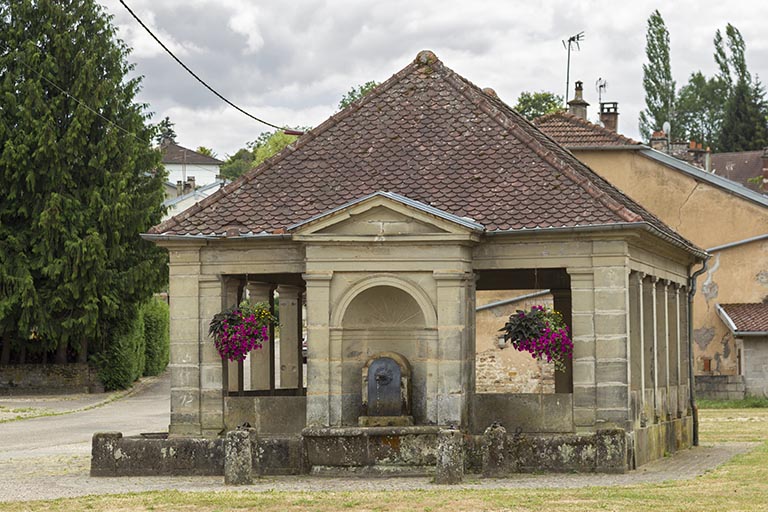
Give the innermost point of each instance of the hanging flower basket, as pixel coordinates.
(542, 333)
(241, 329)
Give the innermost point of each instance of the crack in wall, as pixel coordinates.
(680, 210)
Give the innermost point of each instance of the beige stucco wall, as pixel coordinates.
(709, 217)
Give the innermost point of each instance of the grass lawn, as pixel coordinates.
(741, 484)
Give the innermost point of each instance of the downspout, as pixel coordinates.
(691, 385)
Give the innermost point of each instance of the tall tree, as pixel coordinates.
(266, 145)
(700, 107)
(206, 151)
(536, 104)
(165, 131)
(79, 185)
(356, 93)
(744, 123)
(657, 78)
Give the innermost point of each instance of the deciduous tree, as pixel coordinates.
(536, 104)
(657, 78)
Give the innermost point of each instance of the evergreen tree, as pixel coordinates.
(744, 124)
(657, 78)
(165, 131)
(78, 180)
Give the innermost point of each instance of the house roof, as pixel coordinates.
(739, 166)
(175, 154)
(431, 136)
(745, 319)
(574, 132)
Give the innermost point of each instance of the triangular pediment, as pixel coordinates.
(385, 215)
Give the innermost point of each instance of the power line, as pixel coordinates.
(214, 91)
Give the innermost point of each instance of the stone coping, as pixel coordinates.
(352, 431)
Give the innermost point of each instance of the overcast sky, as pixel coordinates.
(289, 62)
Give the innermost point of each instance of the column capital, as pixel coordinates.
(326, 275)
(452, 275)
(288, 292)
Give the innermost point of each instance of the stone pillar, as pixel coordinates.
(673, 349)
(562, 302)
(612, 345)
(289, 336)
(649, 349)
(238, 458)
(229, 298)
(453, 361)
(494, 451)
(184, 366)
(318, 348)
(636, 334)
(211, 374)
(662, 345)
(450, 457)
(259, 359)
(583, 319)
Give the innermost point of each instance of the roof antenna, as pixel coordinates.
(601, 86)
(568, 44)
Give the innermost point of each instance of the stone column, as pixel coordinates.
(211, 374)
(452, 331)
(662, 349)
(562, 302)
(450, 457)
(289, 336)
(655, 339)
(318, 348)
(673, 349)
(184, 272)
(583, 319)
(612, 346)
(649, 349)
(230, 298)
(259, 359)
(636, 334)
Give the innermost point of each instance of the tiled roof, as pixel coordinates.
(574, 132)
(739, 167)
(747, 317)
(175, 154)
(432, 136)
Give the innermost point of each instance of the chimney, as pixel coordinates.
(189, 186)
(764, 158)
(577, 106)
(659, 141)
(179, 188)
(609, 115)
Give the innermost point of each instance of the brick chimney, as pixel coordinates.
(609, 115)
(179, 188)
(577, 106)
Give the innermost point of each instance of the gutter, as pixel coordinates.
(738, 243)
(732, 326)
(691, 383)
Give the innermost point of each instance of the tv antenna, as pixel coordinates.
(569, 44)
(601, 86)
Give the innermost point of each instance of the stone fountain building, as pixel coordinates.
(385, 221)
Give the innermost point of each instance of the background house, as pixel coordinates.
(183, 163)
(727, 219)
(750, 168)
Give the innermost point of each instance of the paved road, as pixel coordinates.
(145, 410)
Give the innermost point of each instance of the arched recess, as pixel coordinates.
(384, 314)
(415, 292)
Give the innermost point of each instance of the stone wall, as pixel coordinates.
(23, 379)
(115, 455)
(755, 359)
(505, 370)
(720, 387)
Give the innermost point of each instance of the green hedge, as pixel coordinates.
(123, 360)
(156, 335)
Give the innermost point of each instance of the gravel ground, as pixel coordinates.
(49, 457)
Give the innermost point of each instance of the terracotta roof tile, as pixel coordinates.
(748, 317)
(572, 132)
(434, 137)
(739, 167)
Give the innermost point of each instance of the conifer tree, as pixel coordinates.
(657, 78)
(78, 180)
